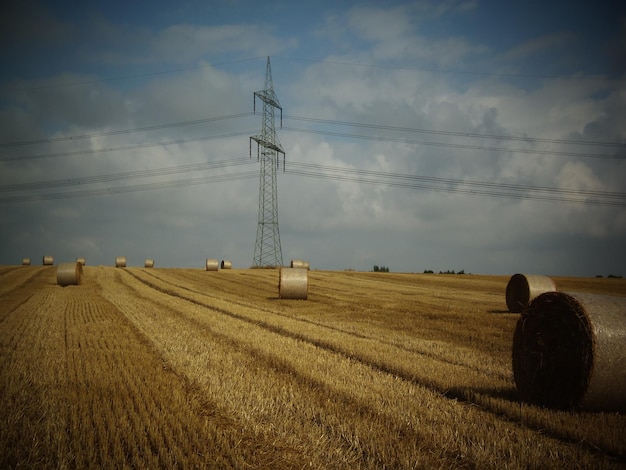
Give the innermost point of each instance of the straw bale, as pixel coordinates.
(297, 263)
(226, 264)
(293, 283)
(25, 261)
(81, 260)
(69, 274)
(120, 261)
(568, 352)
(149, 263)
(48, 260)
(212, 264)
(523, 288)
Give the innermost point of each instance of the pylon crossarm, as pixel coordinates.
(269, 98)
(267, 144)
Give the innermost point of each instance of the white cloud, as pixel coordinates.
(549, 42)
(335, 224)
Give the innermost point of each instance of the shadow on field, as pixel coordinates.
(472, 395)
(500, 312)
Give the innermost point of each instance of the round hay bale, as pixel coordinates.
(120, 261)
(211, 264)
(149, 263)
(293, 283)
(297, 263)
(306, 265)
(226, 264)
(568, 352)
(81, 261)
(48, 260)
(25, 261)
(69, 274)
(523, 288)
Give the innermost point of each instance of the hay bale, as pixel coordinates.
(211, 264)
(81, 260)
(120, 261)
(523, 288)
(226, 264)
(297, 263)
(293, 283)
(25, 261)
(568, 352)
(69, 274)
(149, 263)
(306, 265)
(48, 260)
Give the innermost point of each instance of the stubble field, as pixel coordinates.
(182, 368)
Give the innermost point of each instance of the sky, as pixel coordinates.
(482, 136)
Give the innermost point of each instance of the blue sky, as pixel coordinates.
(475, 135)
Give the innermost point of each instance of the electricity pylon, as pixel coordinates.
(267, 250)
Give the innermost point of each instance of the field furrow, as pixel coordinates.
(463, 384)
(163, 368)
(258, 338)
(438, 350)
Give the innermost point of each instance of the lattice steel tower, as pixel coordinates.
(267, 250)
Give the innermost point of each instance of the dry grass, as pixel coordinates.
(173, 368)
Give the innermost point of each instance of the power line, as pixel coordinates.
(321, 61)
(456, 133)
(128, 189)
(449, 181)
(323, 121)
(601, 198)
(361, 176)
(473, 192)
(122, 131)
(127, 77)
(122, 148)
(455, 72)
(125, 175)
(458, 146)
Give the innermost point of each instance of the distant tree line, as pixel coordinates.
(611, 276)
(430, 271)
(381, 269)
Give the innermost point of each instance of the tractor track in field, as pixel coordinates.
(354, 334)
(180, 368)
(9, 285)
(278, 365)
(7, 270)
(19, 293)
(472, 397)
(281, 366)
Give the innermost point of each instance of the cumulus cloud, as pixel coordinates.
(381, 72)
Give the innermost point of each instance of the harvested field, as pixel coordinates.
(161, 368)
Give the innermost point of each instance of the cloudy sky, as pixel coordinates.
(479, 135)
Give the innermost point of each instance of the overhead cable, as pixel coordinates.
(59, 183)
(456, 133)
(122, 148)
(458, 146)
(128, 189)
(603, 198)
(456, 72)
(127, 77)
(122, 131)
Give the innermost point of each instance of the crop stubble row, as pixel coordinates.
(264, 381)
(82, 388)
(298, 334)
